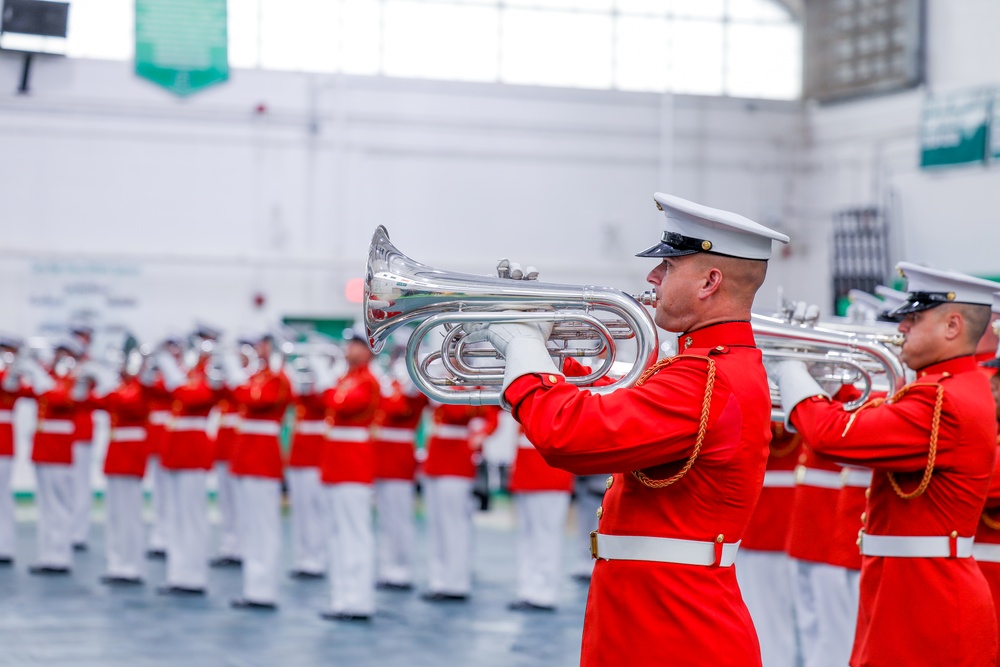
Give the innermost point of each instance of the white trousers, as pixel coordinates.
(123, 528)
(396, 532)
(259, 500)
(541, 523)
(310, 525)
(587, 503)
(54, 498)
(825, 612)
(156, 473)
(765, 579)
(83, 493)
(187, 532)
(229, 541)
(352, 549)
(449, 506)
(7, 530)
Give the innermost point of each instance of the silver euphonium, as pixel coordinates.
(847, 357)
(400, 291)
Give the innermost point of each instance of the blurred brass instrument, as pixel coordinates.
(401, 291)
(857, 355)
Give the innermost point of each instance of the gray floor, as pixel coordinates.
(76, 620)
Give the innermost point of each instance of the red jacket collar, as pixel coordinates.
(964, 364)
(723, 333)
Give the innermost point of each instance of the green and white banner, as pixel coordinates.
(955, 127)
(181, 45)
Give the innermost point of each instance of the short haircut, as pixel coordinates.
(977, 319)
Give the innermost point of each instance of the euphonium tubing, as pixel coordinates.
(399, 290)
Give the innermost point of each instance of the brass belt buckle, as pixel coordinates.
(593, 544)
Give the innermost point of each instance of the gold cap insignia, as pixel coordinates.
(658, 207)
(706, 245)
(951, 296)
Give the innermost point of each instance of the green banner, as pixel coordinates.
(995, 128)
(181, 44)
(955, 128)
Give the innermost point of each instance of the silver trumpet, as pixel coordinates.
(401, 291)
(843, 356)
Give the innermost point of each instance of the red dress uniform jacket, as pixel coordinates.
(54, 433)
(530, 472)
(641, 612)
(262, 401)
(450, 450)
(988, 539)
(310, 432)
(771, 519)
(229, 421)
(811, 533)
(7, 400)
(351, 404)
(919, 611)
(160, 413)
(187, 445)
(129, 412)
(83, 421)
(395, 433)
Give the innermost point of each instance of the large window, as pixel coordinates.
(750, 48)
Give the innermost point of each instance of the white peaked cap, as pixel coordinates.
(892, 298)
(996, 302)
(690, 228)
(927, 288)
(863, 299)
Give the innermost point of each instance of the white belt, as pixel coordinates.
(60, 426)
(348, 433)
(188, 424)
(660, 550)
(918, 546)
(779, 479)
(159, 417)
(451, 431)
(229, 420)
(389, 434)
(524, 443)
(260, 427)
(311, 427)
(824, 479)
(128, 434)
(987, 553)
(856, 477)
(6, 417)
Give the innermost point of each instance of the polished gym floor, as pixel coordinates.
(77, 621)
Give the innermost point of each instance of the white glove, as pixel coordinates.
(232, 370)
(522, 346)
(795, 384)
(804, 313)
(39, 378)
(323, 369)
(173, 376)
(12, 380)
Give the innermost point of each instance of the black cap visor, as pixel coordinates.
(673, 244)
(917, 302)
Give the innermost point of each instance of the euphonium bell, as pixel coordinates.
(400, 291)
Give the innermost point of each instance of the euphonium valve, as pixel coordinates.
(401, 291)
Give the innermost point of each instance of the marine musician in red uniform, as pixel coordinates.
(687, 447)
(932, 446)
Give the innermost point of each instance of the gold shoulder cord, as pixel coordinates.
(702, 426)
(989, 521)
(932, 452)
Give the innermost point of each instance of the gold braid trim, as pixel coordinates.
(989, 521)
(702, 426)
(932, 452)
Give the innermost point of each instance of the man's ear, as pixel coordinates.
(954, 325)
(711, 284)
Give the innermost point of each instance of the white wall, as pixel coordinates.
(186, 208)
